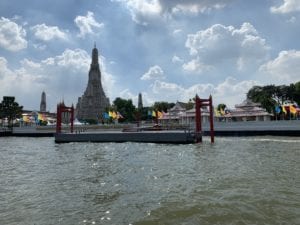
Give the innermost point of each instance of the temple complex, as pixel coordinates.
(93, 102)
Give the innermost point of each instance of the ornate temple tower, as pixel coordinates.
(140, 102)
(93, 102)
(43, 102)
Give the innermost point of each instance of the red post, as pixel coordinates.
(198, 120)
(211, 120)
(60, 109)
(58, 118)
(200, 103)
(72, 119)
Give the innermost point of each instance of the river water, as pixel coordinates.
(234, 181)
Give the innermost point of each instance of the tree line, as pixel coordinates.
(270, 96)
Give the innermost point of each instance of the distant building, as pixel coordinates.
(43, 102)
(140, 102)
(93, 102)
(180, 115)
(248, 111)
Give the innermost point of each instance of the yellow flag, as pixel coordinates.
(114, 115)
(283, 109)
(293, 109)
(159, 115)
(41, 117)
(153, 114)
(217, 113)
(26, 118)
(109, 113)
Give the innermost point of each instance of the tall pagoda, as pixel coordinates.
(93, 102)
(43, 102)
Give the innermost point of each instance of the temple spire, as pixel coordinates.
(95, 55)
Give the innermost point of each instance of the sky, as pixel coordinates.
(168, 50)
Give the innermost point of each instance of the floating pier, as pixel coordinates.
(171, 137)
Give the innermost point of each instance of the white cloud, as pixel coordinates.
(177, 32)
(77, 59)
(39, 46)
(230, 91)
(86, 24)
(239, 48)
(168, 89)
(283, 69)
(287, 7)
(4, 71)
(21, 83)
(12, 36)
(192, 6)
(26, 63)
(47, 33)
(143, 11)
(154, 73)
(195, 65)
(176, 59)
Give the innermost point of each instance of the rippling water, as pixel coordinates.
(234, 181)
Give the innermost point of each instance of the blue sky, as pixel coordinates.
(168, 50)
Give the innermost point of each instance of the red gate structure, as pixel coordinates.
(61, 108)
(200, 103)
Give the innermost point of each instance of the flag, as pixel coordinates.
(26, 118)
(222, 112)
(119, 115)
(277, 109)
(217, 113)
(293, 109)
(153, 114)
(109, 113)
(283, 109)
(105, 115)
(41, 117)
(159, 115)
(114, 115)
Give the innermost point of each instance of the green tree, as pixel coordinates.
(10, 109)
(264, 96)
(221, 107)
(162, 106)
(126, 108)
(190, 104)
(297, 93)
(270, 95)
